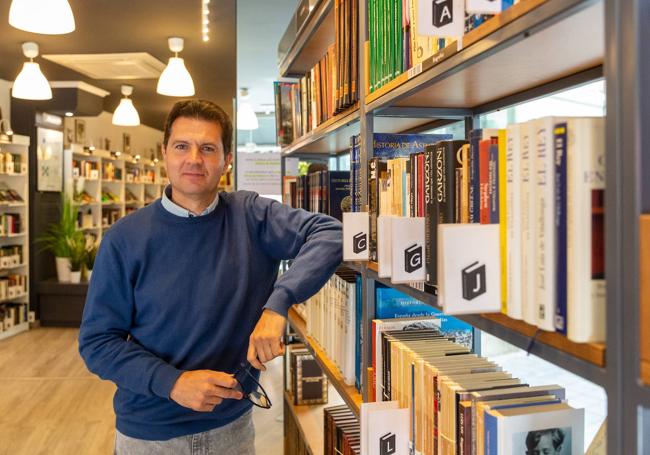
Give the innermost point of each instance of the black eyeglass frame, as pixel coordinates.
(244, 368)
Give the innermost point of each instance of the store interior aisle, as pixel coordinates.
(50, 404)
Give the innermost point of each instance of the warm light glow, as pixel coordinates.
(49, 17)
(125, 114)
(31, 84)
(246, 117)
(175, 80)
(69, 114)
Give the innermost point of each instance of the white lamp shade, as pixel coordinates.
(175, 80)
(49, 17)
(246, 117)
(31, 84)
(125, 114)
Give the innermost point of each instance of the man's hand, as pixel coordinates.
(265, 342)
(203, 390)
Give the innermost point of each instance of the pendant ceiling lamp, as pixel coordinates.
(31, 84)
(175, 80)
(125, 114)
(246, 117)
(49, 17)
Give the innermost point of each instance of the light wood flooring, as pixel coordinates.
(50, 404)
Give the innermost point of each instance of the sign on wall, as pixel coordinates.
(49, 154)
(259, 172)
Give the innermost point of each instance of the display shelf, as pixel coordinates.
(13, 299)
(348, 393)
(584, 359)
(5, 174)
(14, 267)
(13, 236)
(311, 41)
(15, 330)
(507, 55)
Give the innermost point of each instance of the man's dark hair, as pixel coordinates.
(203, 110)
(533, 438)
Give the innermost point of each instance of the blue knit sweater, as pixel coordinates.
(171, 294)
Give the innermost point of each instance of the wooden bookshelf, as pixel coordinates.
(584, 359)
(348, 393)
(507, 55)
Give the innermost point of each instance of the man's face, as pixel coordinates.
(194, 157)
(545, 446)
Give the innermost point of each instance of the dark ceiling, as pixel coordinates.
(110, 26)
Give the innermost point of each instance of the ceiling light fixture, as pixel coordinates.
(205, 20)
(126, 114)
(31, 84)
(175, 80)
(246, 117)
(49, 17)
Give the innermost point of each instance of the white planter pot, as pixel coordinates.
(75, 277)
(63, 269)
(88, 275)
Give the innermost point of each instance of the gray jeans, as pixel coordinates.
(236, 438)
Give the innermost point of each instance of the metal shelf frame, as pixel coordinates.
(626, 68)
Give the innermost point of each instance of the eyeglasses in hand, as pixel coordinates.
(257, 395)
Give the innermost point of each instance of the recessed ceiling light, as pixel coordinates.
(69, 114)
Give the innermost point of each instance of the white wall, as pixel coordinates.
(144, 139)
(5, 100)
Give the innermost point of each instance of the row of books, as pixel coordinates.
(11, 256)
(85, 169)
(111, 172)
(342, 432)
(85, 219)
(333, 319)
(321, 191)
(461, 403)
(10, 224)
(12, 286)
(541, 181)
(329, 88)
(397, 42)
(12, 314)
(110, 216)
(12, 163)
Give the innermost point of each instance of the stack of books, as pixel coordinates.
(10, 224)
(342, 431)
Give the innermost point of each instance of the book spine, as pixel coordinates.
(431, 220)
(503, 218)
(412, 184)
(514, 223)
(420, 195)
(493, 185)
(529, 312)
(560, 176)
(484, 176)
(445, 184)
(491, 436)
(545, 222)
(373, 205)
(474, 177)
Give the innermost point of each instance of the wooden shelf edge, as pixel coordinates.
(323, 130)
(349, 393)
(15, 330)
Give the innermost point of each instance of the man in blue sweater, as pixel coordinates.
(186, 290)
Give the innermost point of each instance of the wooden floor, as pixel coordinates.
(50, 404)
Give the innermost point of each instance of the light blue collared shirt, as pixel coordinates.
(177, 210)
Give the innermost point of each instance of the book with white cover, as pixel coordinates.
(513, 223)
(408, 250)
(555, 429)
(544, 201)
(586, 293)
(384, 245)
(527, 163)
(469, 268)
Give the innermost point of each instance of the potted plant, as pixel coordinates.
(77, 257)
(91, 253)
(57, 238)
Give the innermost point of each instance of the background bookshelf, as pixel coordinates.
(106, 187)
(534, 49)
(14, 240)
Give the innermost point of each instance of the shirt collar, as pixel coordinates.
(177, 210)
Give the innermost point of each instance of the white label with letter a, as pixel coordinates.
(441, 18)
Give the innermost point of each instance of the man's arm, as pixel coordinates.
(108, 352)
(314, 242)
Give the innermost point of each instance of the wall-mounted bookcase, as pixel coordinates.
(106, 187)
(14, 239)
(536, 48)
